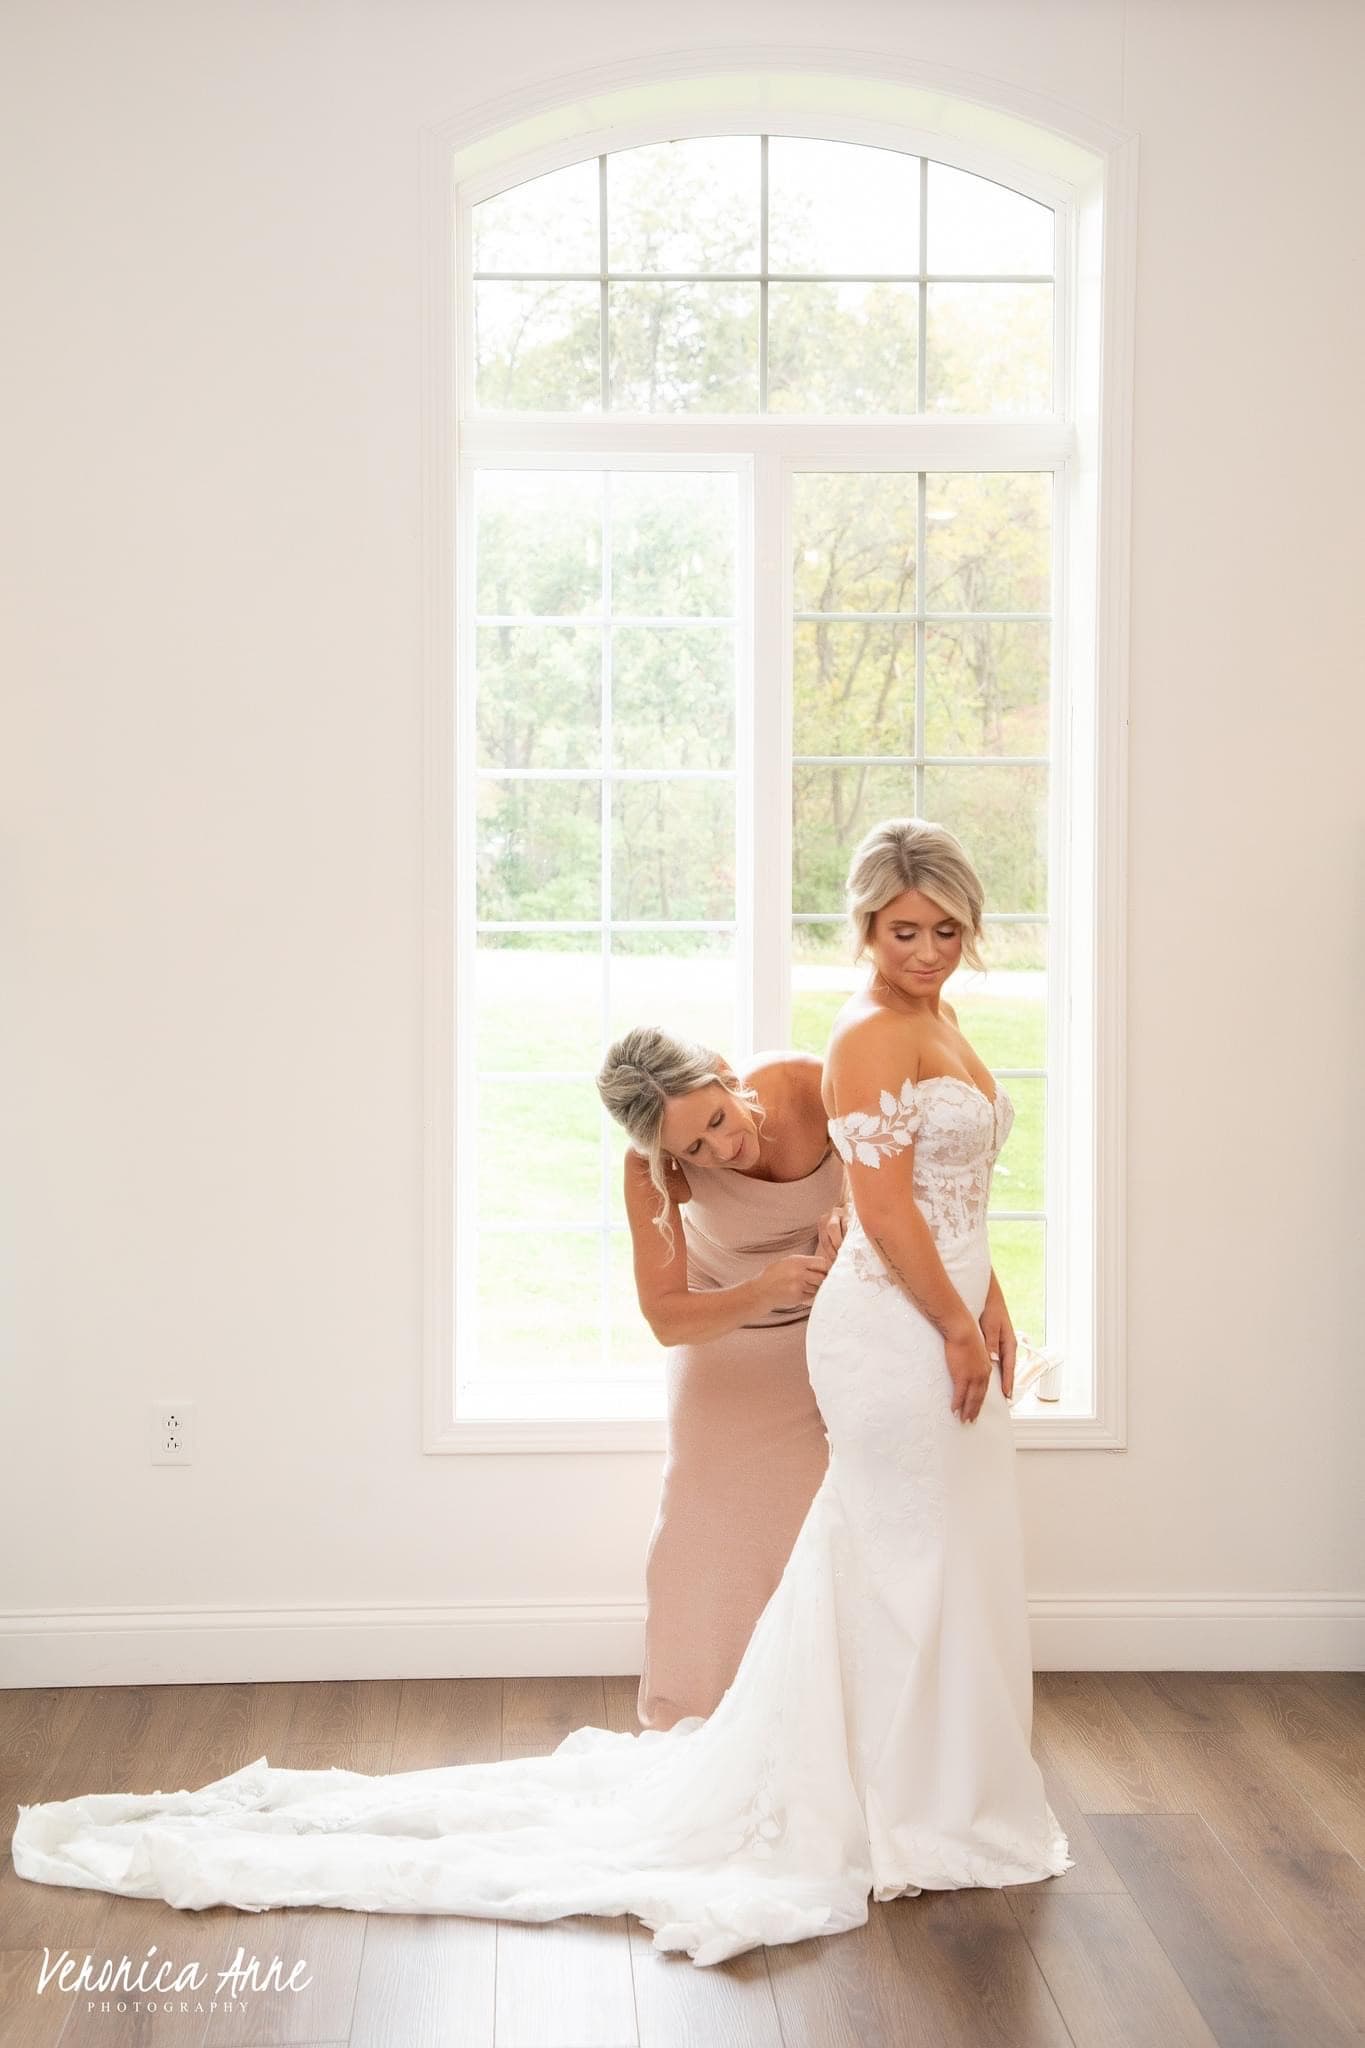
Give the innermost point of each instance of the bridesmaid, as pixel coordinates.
(745, 1170)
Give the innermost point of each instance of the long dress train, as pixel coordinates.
(875, 1737)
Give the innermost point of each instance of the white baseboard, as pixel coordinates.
(220, 1646)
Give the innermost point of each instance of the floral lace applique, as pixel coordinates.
(863, 1136)
(957, 1132)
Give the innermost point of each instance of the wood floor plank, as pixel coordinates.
(537, 1713)
(345, 1710)
(566, 1983)
(329, 1941)
(1344, 1690)
(974, 1977)
(448, 1721)
(331, 1945)
(429, 1978)
(371, 1757)
(115, 1746)
(1292, 1858)
(1243, 1971)
(1217, 1820)
(1170, 1699)
(728, 2005)
(1092, 1870)
(47, 1915)
(150, 1933)
(1113, 1982)
(225, 1727)
(36, 1724)
(1095, 1746)
(426, 1981)
(29, 2017)
(847, 1992)
(1314, 1745)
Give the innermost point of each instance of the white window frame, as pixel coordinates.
(1086, 448)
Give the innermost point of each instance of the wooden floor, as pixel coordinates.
(1218, 1895)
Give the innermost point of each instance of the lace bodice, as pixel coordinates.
(957, 1133)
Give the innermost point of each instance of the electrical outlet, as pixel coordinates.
(172, 1432)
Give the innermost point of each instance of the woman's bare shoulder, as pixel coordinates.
(868, 1025)
(780, 1079)
(790, 1067)
(873, 1043)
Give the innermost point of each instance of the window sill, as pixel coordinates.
(1039, 1425)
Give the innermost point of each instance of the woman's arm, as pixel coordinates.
(678, 1314)
(865, 1063)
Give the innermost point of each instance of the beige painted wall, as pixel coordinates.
(211, 783)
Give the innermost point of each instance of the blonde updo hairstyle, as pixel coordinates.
(638, 1077)
(912, 853)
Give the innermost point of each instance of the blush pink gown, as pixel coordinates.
(747, 1447)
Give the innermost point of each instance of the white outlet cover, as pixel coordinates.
(172, 1432)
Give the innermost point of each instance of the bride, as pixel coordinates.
(875, 1737)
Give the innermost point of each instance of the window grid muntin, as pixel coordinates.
(604, 623)
(507, 433)
(921, 278)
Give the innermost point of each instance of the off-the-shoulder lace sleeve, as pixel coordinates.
(865, 1136)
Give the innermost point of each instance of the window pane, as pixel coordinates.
(824, 976)
(547, 224)
(539, 1153)
(539, 1001)
(673, 849)
(833, 807)
(683, 347)
(539, 1305)
(854, 687)
(1017, 1254)
(634, 1347)
(986, 688)
(539, 541)
(537, 696)
(684, 982)
(685, 206)
(673, 540)
(979, 228)
(841, 207)
(1018, 1182)
(673, 696)
(539, 848)
(989, 348)
(988, 542)
(854, 541)
(1004, 1011)
(843, 348)
(537, 347)
(1000, 816)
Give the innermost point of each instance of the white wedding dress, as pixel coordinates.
(875, 1737)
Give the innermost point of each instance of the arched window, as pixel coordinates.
(765, 529)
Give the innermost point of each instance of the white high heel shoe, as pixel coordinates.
(1035, 1371)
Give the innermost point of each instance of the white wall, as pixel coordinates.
(211, 790)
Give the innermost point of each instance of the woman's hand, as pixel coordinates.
(970, 1367)
(998, 1331)
(832, 1229)
(791, 1282)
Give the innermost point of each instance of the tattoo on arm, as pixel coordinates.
(892, 1267)
(888, 1259)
